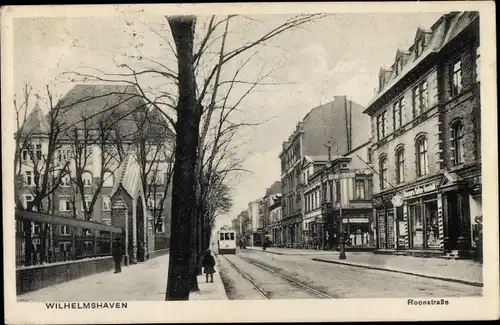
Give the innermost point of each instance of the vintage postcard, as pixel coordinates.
(249, 162)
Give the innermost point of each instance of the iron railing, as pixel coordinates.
(44, 238)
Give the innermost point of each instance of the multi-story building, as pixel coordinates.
(90, 118)
(254, 217)
(346, 186)
(274, 224)
(312, 222)
(268, 200)
(340, 125)
(426, 140)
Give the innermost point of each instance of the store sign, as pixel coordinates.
(355, 220)
(420, 190)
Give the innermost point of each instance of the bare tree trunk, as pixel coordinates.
(187, 130)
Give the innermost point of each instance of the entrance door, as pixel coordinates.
(417, 225)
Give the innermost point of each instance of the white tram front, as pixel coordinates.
(226, 241)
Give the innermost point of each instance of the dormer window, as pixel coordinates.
(381, 83)
(399, 65)
(419, 46)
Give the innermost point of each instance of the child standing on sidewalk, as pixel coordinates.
(208, 265)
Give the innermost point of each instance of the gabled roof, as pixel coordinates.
(442, 34)
(129, 176)
(36, 122)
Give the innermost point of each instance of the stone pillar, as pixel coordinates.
(119, 218)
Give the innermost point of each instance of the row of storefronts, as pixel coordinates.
(440, 214)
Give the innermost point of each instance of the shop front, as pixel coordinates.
(422, 211)
(357, 226)
(292, 231)
(384, 220)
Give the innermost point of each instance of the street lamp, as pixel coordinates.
(341, 239)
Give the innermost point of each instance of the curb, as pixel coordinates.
(471, 283)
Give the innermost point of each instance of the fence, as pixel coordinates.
(44, 238)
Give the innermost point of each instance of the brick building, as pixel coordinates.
(426, 140)
(94, 104)
(340, 122)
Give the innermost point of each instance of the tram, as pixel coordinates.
(226, 241)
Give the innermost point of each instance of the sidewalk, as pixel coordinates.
(290, 251)
(139, 282)
(462, 271)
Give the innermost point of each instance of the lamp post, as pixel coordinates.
(341, 239)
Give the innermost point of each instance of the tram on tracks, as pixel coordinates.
(226, 241)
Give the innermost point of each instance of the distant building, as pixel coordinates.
(254, 217)
(267, 201)
(426, 140)
(333, 128)
(274, 225)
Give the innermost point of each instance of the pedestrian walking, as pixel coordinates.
(208, 265)
(118, 255)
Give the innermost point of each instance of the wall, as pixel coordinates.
(37, 277)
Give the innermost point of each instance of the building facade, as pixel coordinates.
(425, 131)
(347, 199)
(274, 225)
(338, 125)
(254, 217)
(79, 148)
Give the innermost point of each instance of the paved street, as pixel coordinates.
(140, 282)
(338, 281)
(462, 270)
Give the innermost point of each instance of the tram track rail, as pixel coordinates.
(299, 284)
(247, 277)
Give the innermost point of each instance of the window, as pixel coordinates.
(477, 64)
(381, 125)
(65, 181)
(421, 148)
(337, 191)
(38, 151)
(360, 189)
(420, 99)
(64, 204)
(64, 231)
(106, 203)
(108, 180)
(419, 46)
(457, 136)
(232, 236)
(477, 131)
(383, 172)
(370, 155)
(158, 201)
(456, 78)
(226, 236)
(397, 114)
(27, 199)
(87, 179)
(28, 178)
(25, 155)
(400, 165)
(88, 200)
(399, 65)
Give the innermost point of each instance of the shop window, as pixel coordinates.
(421, 149)
(457, 135)
(383, 172)
(432, 239)
(400, 165)
(456, 77)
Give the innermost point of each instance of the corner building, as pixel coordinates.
(425, 128)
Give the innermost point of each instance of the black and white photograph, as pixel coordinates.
(246, 157)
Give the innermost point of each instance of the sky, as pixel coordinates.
(337, 55)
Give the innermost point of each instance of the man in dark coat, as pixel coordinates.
(118, 255)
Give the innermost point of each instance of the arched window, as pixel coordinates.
(108, 180)
(87, 179)
(383, 172)
(421, 150)
(457, 136)
(400, 165)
